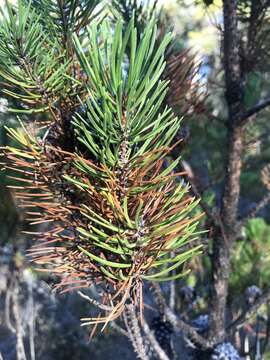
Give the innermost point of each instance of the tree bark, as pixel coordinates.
(224, 238)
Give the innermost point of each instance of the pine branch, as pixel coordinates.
(185, 95)
(62, 18)
(142, 11)
(30, 64)
(114, 211)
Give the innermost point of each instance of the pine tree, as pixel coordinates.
(92, 152)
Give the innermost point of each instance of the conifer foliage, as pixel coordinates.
(93, 165)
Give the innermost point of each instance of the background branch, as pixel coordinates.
(95, 302)
(253, 111)
(208, 211)
(242, 319)
(178, 324)
(153, 342)
(134, 332)
(187, 330)
(119, 328)
(261, 204)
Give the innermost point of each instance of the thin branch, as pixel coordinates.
(178, 324)
(95, 302)
(187, 330)
(159, 299)
(213, 216)
(261, 139)
(242, 319)
(119, 329)
(261, 105)
(31, 322)
(261, 204)
(267, 336)
(208, 211)
(134, 332)
(21, 355)
(153, 341)
(172, 294)
(7, 309)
